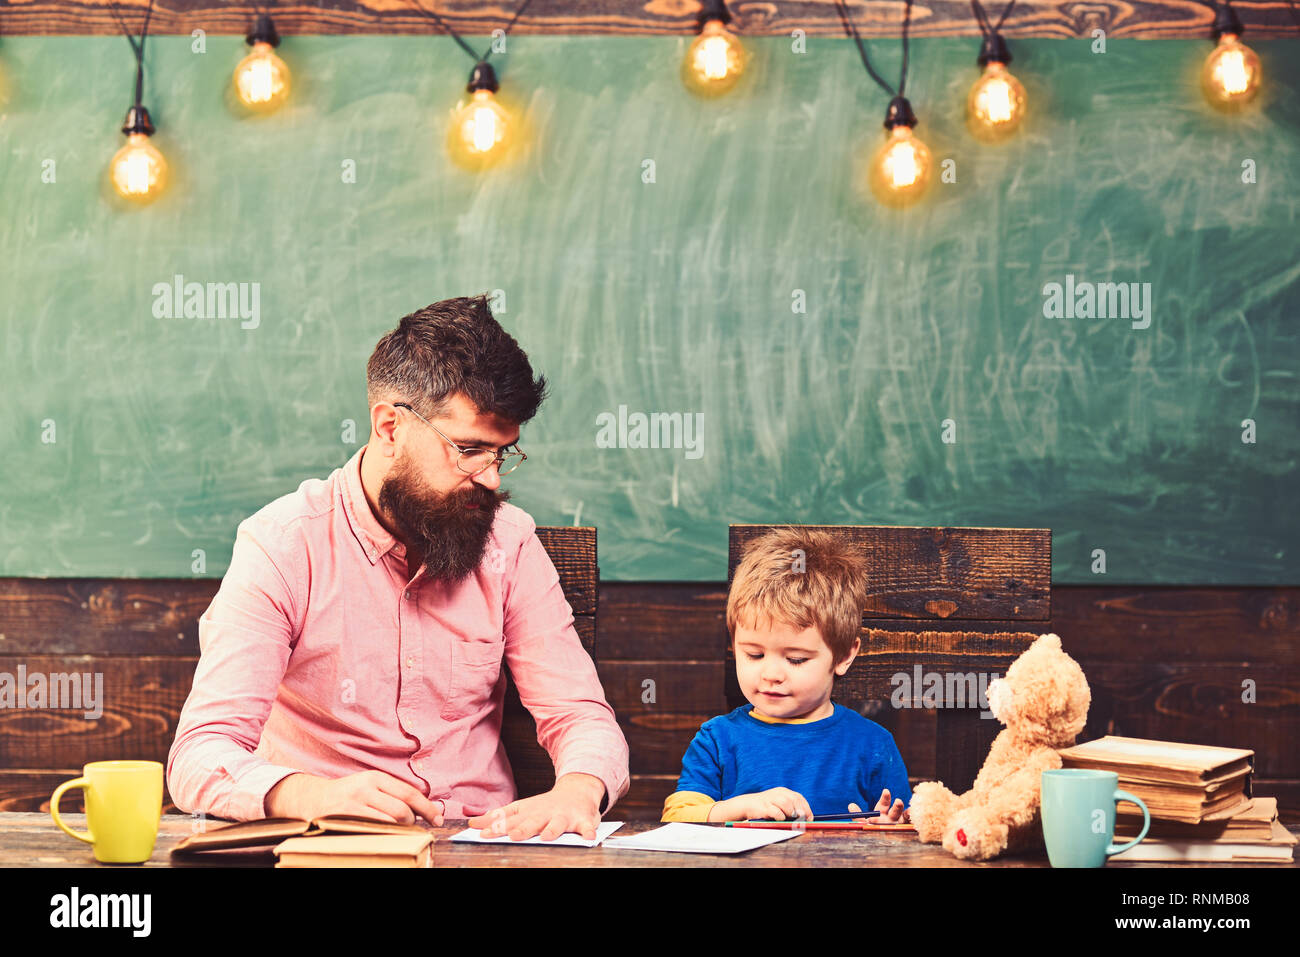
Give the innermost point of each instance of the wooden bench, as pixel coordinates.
(956, 602)
(142, 635)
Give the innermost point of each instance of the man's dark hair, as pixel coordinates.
(454, 346)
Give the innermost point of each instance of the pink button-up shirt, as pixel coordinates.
(321, 653)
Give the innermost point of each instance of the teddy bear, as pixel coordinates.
(1043, 701)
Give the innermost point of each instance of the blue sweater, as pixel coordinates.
(832, 761)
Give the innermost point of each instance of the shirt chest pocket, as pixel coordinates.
(475, 670)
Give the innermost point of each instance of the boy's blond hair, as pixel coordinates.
(801, 577)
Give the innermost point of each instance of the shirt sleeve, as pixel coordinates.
(245, 638)
(557, 679)
(691, 807)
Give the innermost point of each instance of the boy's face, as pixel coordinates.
(787, 672)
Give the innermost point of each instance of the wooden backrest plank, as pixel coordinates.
(1002, 574)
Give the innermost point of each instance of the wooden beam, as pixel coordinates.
(160, 616)
(1184, 19)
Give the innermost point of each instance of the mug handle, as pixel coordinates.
(54, 809)
(1146, 822)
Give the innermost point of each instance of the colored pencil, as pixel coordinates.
(803, 825)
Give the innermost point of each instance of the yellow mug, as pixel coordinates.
(123, 807)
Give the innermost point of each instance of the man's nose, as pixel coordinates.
(489, 478)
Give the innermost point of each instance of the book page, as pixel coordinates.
(604, 829)
(702, 839)
(1174, 752)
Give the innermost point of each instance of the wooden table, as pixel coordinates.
(30, 839)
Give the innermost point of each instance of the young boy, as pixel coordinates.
(794, 614)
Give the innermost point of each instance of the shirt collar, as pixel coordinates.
(376, 541)
(771, 720)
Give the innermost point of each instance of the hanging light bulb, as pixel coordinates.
(1231, 74)
(900, 172)
(480, 126)
(997, 101)
(715, 59)
(262, 78)
(138, 171)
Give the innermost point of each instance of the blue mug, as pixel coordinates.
(1079, 816)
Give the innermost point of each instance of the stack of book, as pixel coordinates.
(1252, 835)
(333, 841)
(1199, 798)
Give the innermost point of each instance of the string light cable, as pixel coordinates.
(479, 134)
(901, 170)
(997, 101)
(138, 171)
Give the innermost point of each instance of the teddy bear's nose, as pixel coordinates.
(961, 837)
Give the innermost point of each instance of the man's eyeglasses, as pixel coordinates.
(474, 461)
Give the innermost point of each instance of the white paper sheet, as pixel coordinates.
(701, 839)
(604, 829)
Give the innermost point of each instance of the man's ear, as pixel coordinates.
(383, 423)
(847, 663)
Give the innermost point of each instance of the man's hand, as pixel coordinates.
(889, 814)
(572, 805)
(372, 794)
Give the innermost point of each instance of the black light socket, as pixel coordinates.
(263, 32)
(1227, 21)
(713, 10)
(900, 113)
(483, 77)
(137, 121)
(994, 50)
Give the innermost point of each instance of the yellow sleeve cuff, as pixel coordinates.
(689, 806)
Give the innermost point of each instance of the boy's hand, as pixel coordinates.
(779, 804)
(889, 813)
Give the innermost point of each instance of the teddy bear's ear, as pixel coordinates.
(1049, 641)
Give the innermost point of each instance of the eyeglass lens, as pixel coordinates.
(476, 460)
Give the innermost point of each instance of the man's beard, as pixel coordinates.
(440, 528)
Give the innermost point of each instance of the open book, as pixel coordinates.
(270, 832)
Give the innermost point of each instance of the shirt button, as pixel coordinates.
(408, 594)
(409, 661)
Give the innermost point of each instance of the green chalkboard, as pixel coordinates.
(131, 440)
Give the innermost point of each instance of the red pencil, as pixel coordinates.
(804, 825)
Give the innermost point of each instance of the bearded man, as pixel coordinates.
(351, 660)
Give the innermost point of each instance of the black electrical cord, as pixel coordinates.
(983, 17)
(457, 37)
(852, 31)
(994, 48)
(136, 48)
